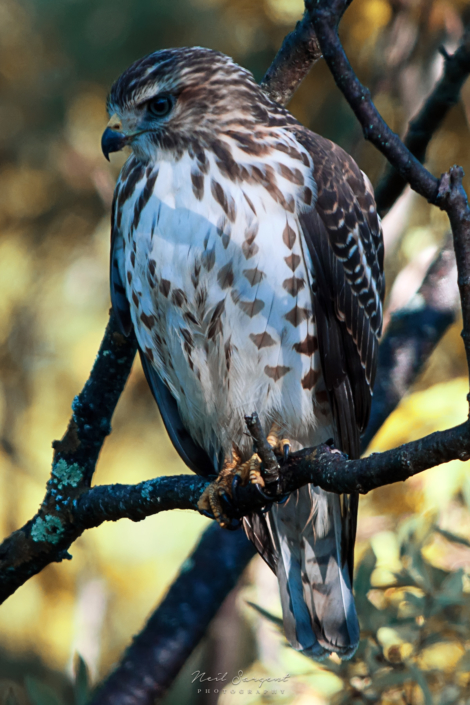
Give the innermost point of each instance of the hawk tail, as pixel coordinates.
(308, 554)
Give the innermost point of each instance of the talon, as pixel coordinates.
(235, 483)
(283, 499)
(263, 494)
(205, 513)
(227, 500)
(234, 524)
(285, 445)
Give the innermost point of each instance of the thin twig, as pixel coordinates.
(424, 125)
(264, 450)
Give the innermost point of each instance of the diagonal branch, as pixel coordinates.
(70, 506)
(325, 15)
(411, 336)
(49, 534)
(156, 655)
(299, 52)
(421, 129)
(447, 192)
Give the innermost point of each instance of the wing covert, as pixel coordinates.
(344, 237)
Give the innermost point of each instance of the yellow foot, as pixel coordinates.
(280, 447)
(219, 492)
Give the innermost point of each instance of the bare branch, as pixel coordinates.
(444, 96)
(411, 336)
(447, 193)
(299, 52)
(157, 654)
(325, 15)
(48, 535)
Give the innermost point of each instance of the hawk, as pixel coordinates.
(247, 256)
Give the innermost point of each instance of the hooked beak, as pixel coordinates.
(113, 139)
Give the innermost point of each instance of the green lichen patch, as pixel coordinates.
(66, 475)
(48, 529)
(146, 491)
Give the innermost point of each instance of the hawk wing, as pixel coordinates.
(343, 234)
(344, 237)
(191, 453)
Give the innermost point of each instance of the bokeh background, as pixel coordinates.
(58, 59)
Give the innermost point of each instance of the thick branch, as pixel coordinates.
(156, 655)
(69, 507)
(322, 466)
(299, 52)
(49, 534)
(423, 126)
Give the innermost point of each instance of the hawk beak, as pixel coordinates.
(113, 139)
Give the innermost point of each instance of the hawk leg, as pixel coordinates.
(281, 447)
(219, 495)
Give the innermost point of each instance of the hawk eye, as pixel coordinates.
(161, 106)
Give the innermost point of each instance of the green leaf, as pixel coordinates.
(267, 615)
(81, 686)
(40, 694)
(452, 537)
(10, 698)
(420, 680)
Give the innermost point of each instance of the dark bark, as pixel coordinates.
(299, 52)
(412, 335)
(325, 15)
(425, 124)
(156, 655)
(447, 192)
(47, 537)
(70, 506)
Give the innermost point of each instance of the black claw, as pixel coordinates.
(283, 499)
(227, 501)
(270, 499)
(286, 451)
(263, 494)
(234, 524)
(235, 483)
(207, 514)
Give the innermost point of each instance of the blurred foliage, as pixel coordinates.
(57, 61)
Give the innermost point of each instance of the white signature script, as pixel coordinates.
(236, 680)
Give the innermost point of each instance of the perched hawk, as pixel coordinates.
(247, 256)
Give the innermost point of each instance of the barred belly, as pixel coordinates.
(219, 282)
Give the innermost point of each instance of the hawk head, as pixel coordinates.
(171, 96)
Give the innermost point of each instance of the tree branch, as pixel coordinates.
(447, 192)
(47, 537)
(70, 506)
(299, 52)
(444, 96)
(325, 16)
(411, 336)
(156, 655)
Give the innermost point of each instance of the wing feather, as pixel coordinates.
(343, 234)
